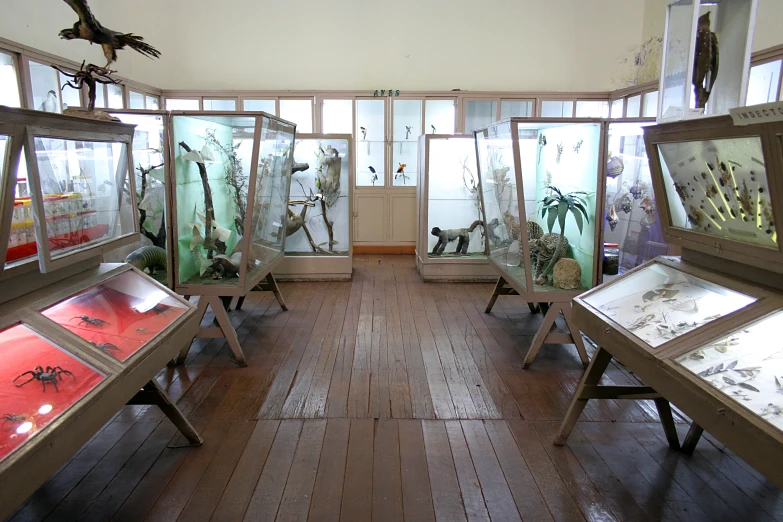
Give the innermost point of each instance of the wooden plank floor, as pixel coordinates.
(390, 399)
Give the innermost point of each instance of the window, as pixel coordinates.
(181, 104)
(370, 150)
(650, 109)
(115, 100)
(153, 102)
(9, 82)
(440, 117)
(299, 112)
(267, 106)
(100, 98)
(405, 141)
(337, 116)
(136, 100)
(516, 109)
(632, 106)
(763, 83)
(479, 113)
(219, 104)
(557, 109)
(592, 109)
(616, 109)
(46, 90)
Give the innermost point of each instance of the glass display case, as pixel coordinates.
(318, 241)
(370, 145)
(545, 174)
(11, 142)
(232, 176)
(70, 208)
(715, 187)
(406, 128)
(630, 212)
(706, 57)
(450, 239)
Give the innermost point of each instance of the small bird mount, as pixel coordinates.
(90, 75)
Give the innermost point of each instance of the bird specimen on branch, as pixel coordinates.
(88, 28)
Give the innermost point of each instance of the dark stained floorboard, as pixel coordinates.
(390, 398)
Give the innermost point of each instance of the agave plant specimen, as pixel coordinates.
(555, 207)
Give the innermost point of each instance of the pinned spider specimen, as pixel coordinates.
(87, 320)
(106, 347)
(13, 419)
(49, 375)
(160, 309)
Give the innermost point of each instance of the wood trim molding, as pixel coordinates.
(359, 249)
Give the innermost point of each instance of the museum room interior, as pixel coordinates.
(274, 262)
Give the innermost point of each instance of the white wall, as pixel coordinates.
(559, 45)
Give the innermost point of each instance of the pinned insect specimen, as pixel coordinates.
(732, 382)
(106, 347)
(739, 394)
(49, 375)
(697, 355)
(641, 322)
(578, 146)
(401, 172)
(663, 291)
(541, 145)
(771, 409)
(13, 419)
(87, 320)
(641, 309)
(690, 306)
(778, 385)
(680, 191)
(723, 346)
(559, 152)
(712, 370)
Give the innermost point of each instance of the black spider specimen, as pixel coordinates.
(13, 419)
(106, 347)
(87, 320)
(88, 28)
(160, 309)
(49, 375)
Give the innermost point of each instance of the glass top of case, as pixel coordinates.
(659, 303)
(4, 150)
(38, 383)
(719, 187)
(120, 315)
(746, 366)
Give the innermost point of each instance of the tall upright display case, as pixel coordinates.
(698, 329)
(79, 339)
(319, 230)
(450, 242)
(540, 184)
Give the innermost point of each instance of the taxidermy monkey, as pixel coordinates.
(294, 222)
(447, 236)
(494, 239)
(705, 61)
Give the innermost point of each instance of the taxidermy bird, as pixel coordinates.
(50, 103)
(88, 28)
(705, 61)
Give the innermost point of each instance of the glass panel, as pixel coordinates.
(46, 92)
(120, 315)
(173, 104)
(616, 109)
(557, 109)
(21, 241)
(479, 113)
(498, 183)
(719, 187)
(219, 105)
(631, 212)
(676, 58)
(71, 97)
(633, 106)
(35, 366)
(9, 82)
(299, 112)
(658, 303)
(745, 366)
(270, 219)
(148, 147)
(100, 97)
(454, 205)
(267, 106)
(592, 109)
(212, 169)
(337, 117)
(370, 145)
(407, 129)
(115, 97)
(153, 102)
(763, 83)
(136, 100)
(82, 189)
(514, 108)
(560, 157)
(650, 104)
(440, 117)
(324, 228)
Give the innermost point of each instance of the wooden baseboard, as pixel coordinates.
(384, 249)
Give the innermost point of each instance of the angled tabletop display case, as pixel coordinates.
(450, 242)
(541, 188)
(318, 243)
(79, 339)
(697, 329)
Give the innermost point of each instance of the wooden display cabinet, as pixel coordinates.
(526, 166)
(449, 197)
(697, 328)
(319, 238)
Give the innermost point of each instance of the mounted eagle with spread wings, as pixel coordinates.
(88, 28)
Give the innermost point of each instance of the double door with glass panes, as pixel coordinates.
(386, 143)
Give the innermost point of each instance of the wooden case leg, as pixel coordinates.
(229, 332)
(240, 300)
(542, 333)
(152, 393)
(201, 309)
(576, 335)
(592, 376)
(498, 290)
(692, 438)
(665, 413)
(271, 285)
